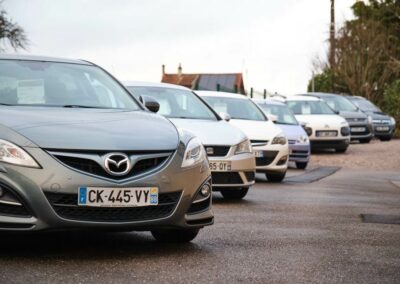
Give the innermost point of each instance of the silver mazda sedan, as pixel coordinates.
(232, 162)
(77, 151)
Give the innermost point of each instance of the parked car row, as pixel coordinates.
(81, 150)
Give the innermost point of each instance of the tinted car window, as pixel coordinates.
(36, 83)
(340, 103)
(236, 108)
(366, 105)
(176, 103)
(309, 107)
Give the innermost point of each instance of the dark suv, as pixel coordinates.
(384, 126)
(360, 123)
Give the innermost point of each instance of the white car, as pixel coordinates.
(325, 128)
(228, 149)
(270, 145)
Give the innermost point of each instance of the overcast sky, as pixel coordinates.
(273, 42)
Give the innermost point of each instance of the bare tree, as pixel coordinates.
(11, 34)
(363, 59)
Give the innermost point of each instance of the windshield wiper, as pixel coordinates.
(79, 106)
(3, 104)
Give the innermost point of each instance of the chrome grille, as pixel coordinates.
(93, 163)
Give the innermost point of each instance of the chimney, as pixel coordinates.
(163, 69)
(180, 70)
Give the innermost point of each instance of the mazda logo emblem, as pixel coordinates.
(117, 164)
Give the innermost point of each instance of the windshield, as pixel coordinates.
(309, 107)
(340, 103)
(282, 113)
(236, 108)
(365, 105)
(34, 83)
(176, 103)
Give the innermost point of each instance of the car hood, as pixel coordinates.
(352, 114)
(292, 132)
(257, 130)
(378, 115)
(91, 129)
(321, 120)
(211, 132)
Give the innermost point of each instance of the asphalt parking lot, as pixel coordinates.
(339, 228)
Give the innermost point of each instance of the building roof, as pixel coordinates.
(229, 82)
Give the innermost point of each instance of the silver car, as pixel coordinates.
(232, 162)
(77, 151)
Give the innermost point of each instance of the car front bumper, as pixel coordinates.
(274, 158)
(299, 153)
(240, 174)
(383, 129)
(318, 144)
(37, 190)
(355, 132)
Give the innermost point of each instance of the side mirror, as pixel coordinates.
(225, 116)
(302, 124)
(150, 103)
(272, 117)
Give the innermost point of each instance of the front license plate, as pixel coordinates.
(259, 154)
(326, 133)
(117, 197)
(220, 166)
(382, 128)
(358, 129)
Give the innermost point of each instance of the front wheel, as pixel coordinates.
(234, 194)
(175, 235)
(301, 165)
(275, 177)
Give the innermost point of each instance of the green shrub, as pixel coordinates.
(391, 102)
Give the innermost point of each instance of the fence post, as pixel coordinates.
(251, 92)
(265, 94)
(218, 87)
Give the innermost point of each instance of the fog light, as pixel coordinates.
(282, 161)
(205, 190)
(345, 131)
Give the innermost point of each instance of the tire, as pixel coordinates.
(365, 140)
(275, 177)
(341, 150)
(234, 194)
(175, 235)
(385, 138)
(301, 165)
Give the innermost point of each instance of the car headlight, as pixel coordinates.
(392, 121)
(302, 140)
(279, 139)
(194, 153)
(12, 154)
(243, 147)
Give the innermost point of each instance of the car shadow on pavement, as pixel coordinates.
(218, 199)
(88, 245)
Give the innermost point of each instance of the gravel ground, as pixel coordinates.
(376, 155)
